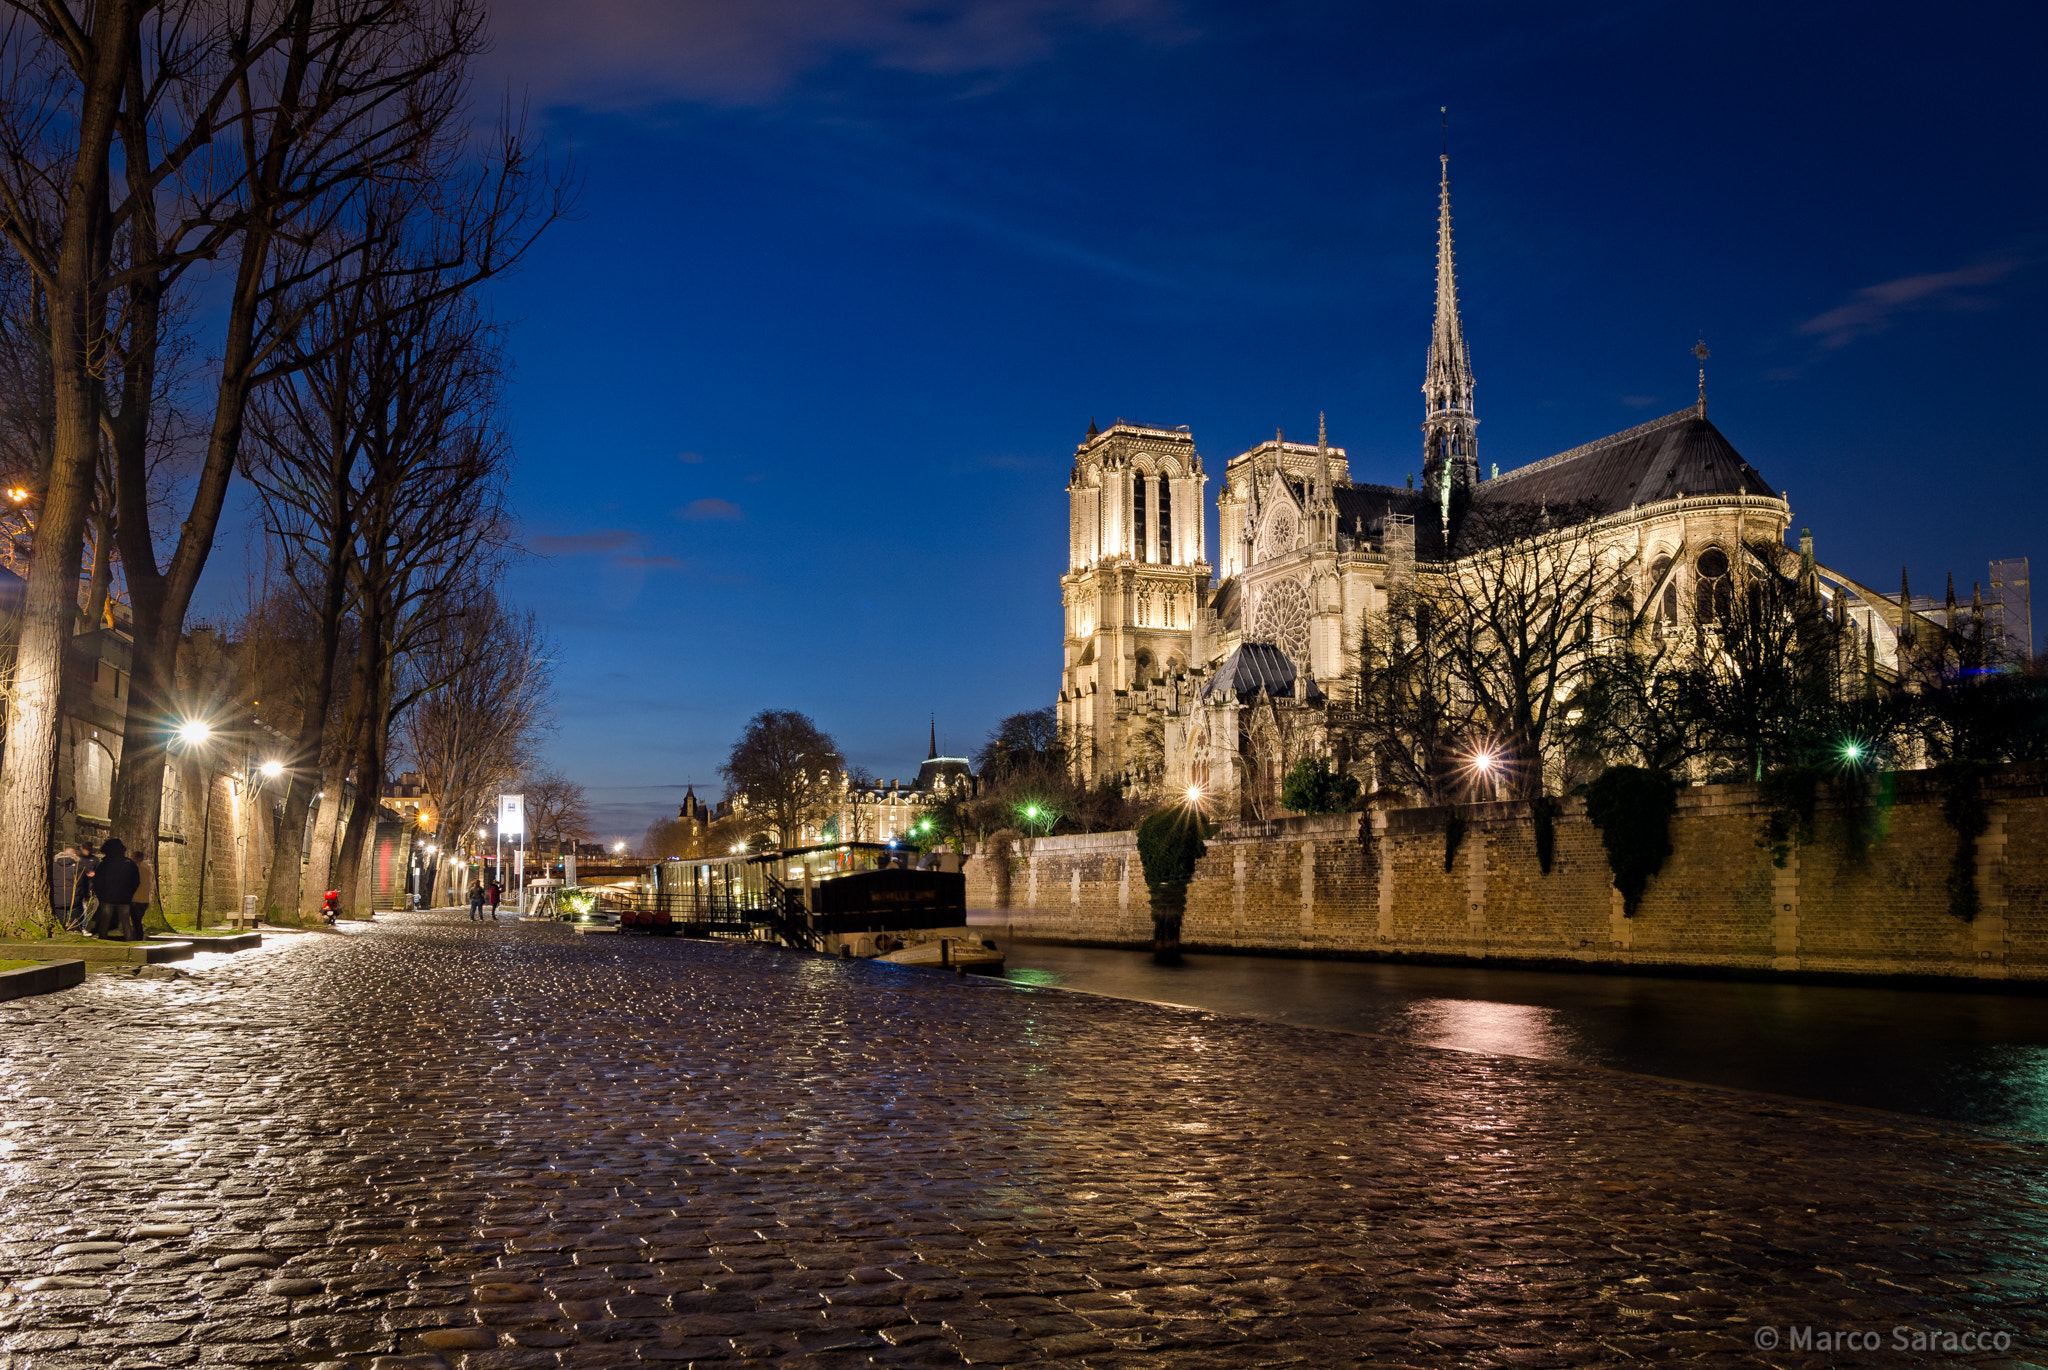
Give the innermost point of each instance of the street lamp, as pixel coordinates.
(192, 733)
(618, 849)
(271, 770)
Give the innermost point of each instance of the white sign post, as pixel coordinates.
(512, 823)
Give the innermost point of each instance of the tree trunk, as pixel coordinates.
(50, 605)
(283, 895)
(159, 600)
(102, 579)
(366, 756)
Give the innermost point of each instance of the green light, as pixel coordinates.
(1852, 751)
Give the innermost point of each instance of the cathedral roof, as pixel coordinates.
(1252, 669)
(1678, 455)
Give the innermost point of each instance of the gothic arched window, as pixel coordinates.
(1713, 597)
(1138, 548)
(1165, 520)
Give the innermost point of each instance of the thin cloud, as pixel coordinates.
(600, 542)
(1873, 308)
(690, 458)
(710, 511)
(625, 53)
(1638, 401)
(648, 562)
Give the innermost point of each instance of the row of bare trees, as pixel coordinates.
(301, 178)
(1546, 654)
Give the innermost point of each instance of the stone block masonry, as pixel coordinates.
(1868, 896)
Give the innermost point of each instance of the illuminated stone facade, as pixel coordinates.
(1173, 680)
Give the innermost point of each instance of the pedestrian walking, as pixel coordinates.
(115, 883)
(65, 891)
(476, 902)
(491, 893)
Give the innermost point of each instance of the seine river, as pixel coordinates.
(1972, 1057)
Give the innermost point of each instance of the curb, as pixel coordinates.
(47, 978)
(242, 941)
(150, 953)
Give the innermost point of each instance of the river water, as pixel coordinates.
(1972, 1057)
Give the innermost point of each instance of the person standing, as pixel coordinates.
(81, 893)
(65, 867)
(115, 883)
(491, 894)
(145, 895)
(476, 902)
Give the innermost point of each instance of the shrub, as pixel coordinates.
(1169, 844)
(1632, 808)
(1313, 786)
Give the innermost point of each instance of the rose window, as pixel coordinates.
(1282, 618)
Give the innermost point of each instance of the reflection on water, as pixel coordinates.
(1979, 1058)
(1475, 1025)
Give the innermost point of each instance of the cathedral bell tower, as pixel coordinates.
(1135, 590)
(1450, 438)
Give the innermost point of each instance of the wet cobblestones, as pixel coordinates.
(425, 1143)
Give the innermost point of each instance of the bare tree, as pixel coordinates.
(381, 467)
(1509, 626)
(247, 132)
(780, 767)
(557, 810)
(1410, 720)
(473, 735)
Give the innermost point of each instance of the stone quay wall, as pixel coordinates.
(1375, 885)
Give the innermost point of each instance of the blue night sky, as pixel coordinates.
(797, 394)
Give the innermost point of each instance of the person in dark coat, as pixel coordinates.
(491, 895)
(115, 883)
(476, 902)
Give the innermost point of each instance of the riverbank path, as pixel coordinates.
(430, 1143)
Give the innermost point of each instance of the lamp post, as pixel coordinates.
(194, 734)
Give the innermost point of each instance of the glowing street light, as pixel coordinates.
(271, 770)
(1852, 751)
(193, 733)
(618, 849)
(1194, 795)
(18, 495)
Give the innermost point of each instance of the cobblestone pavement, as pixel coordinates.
(428, 1143)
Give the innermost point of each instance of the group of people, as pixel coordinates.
(480, 895)
(106, 895)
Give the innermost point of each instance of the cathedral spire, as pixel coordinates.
(933, 755)
(1450, 455)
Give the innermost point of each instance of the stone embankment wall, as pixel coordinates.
(1375, 884)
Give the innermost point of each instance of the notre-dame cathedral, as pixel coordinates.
(1180, 671)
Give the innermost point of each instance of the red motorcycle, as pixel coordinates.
(330, 907)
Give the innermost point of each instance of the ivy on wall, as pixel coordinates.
(1632, 808)
(1543, 809)
(1964, 806)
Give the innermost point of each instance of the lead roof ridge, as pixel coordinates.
(1586, 449)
